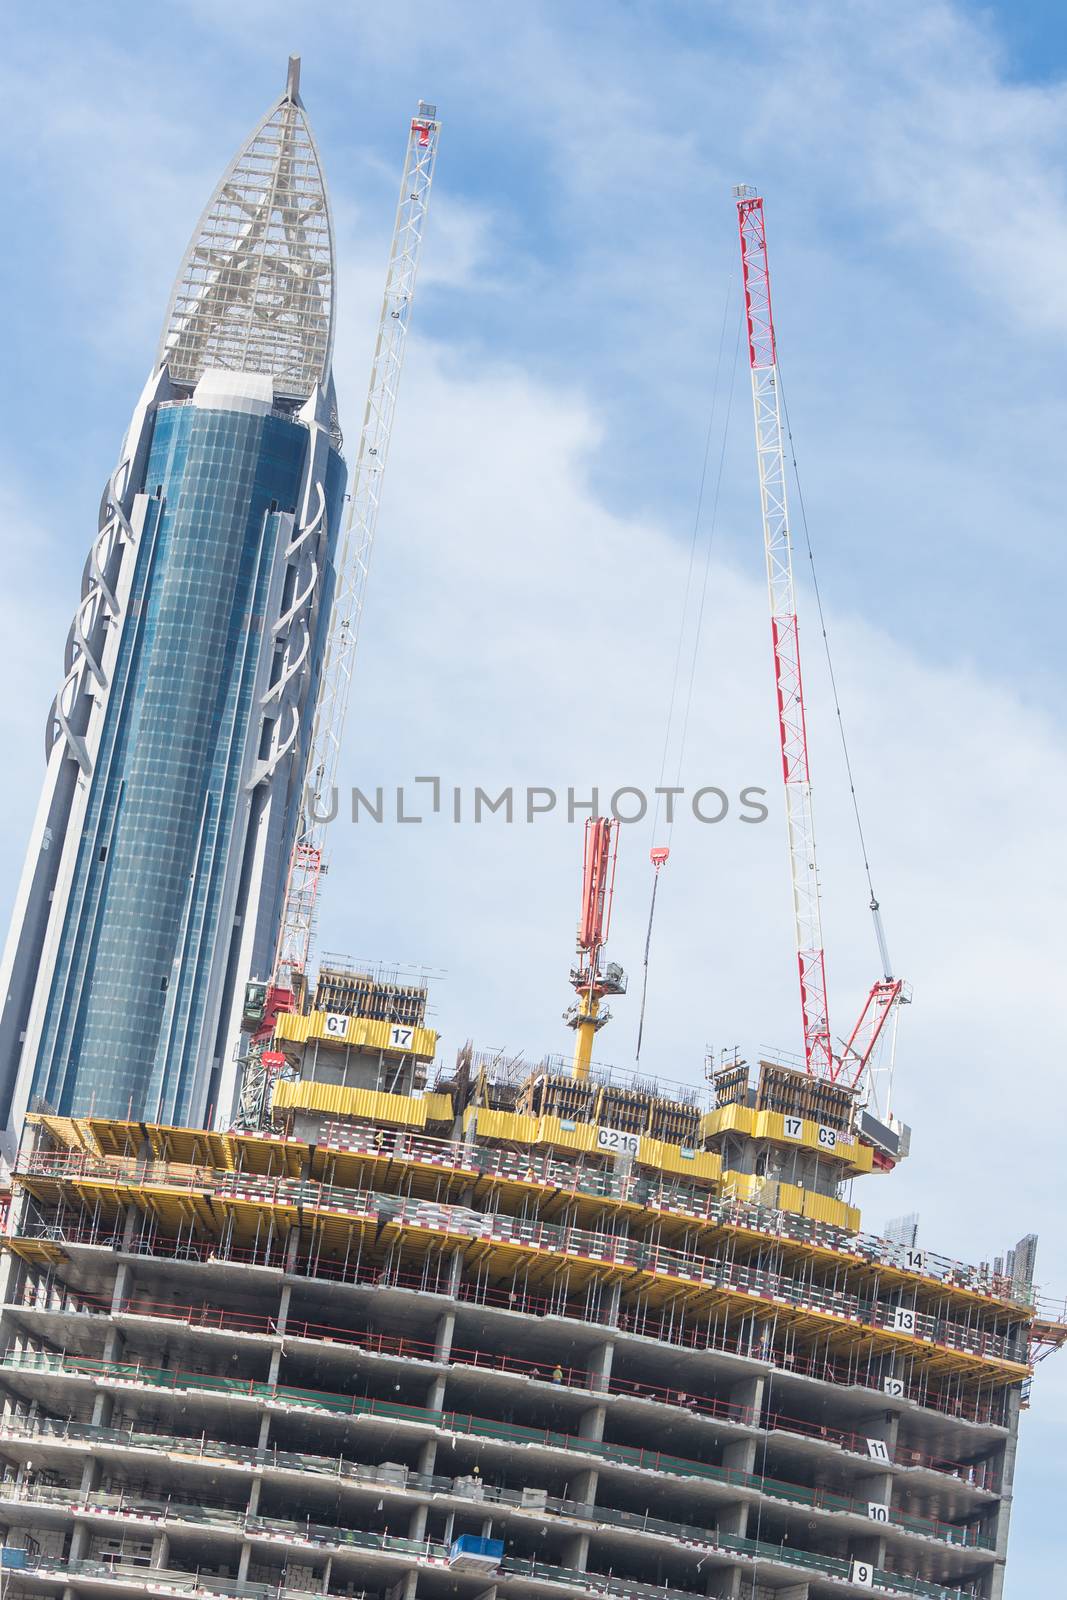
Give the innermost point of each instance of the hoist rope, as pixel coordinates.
(698, 631)
(707, 567)
(644, 980)
(826, 644)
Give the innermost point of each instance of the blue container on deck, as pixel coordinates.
(470, 1553)
(11, 1556)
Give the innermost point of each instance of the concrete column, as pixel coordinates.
(427, 1459)
(446, 1328)
(455, 1270)
(995, 1581)
(417, 1525)
(435, 1394)
(582, 1488)
(113, 1344)
(599, 1367)
(103, 1407)
(244, 1562)
(876, 1487)
(280, 1322)
(129, 1227)
(121, 1289)
(90, 1478)
(741, 1455)
(252, 1508)
(591, 1423)
(79, 1541)
(750, 1394)
(264, 1432)
(725, 1585)
(283, 1307)
(160, 1550)
(292, 1245)
(575, 1552)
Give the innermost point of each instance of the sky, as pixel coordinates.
(548, 574)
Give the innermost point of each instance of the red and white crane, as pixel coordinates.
(849, 1063)
(592, 981)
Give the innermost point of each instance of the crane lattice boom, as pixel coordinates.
(819, 1056)
(357, 543)
(789, 683)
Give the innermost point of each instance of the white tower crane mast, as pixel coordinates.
(307, 863)
(357, 544)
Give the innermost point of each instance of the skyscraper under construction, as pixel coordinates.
(400, 1329)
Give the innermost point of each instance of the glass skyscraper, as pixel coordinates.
(178, 742)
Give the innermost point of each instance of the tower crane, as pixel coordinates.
(850, 1063)
(307, 863)
(591, 981)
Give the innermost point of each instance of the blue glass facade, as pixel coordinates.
(149, 916)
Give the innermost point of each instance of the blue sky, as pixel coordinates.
(530, 574)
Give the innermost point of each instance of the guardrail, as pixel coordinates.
(641, 1323)
(218, 1319)
(893, 1583)
(323, 1401)
(170, 1581)
(655, 1194)
(597, 1249)
(675, 1198)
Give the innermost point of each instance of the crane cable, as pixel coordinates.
(659, 856)
(648, 942)
(874, 904)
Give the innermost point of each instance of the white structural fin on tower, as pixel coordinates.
(254, 292)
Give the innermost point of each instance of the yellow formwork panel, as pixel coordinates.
(363, 1033)
(69, 1132)
(703, 1164)
(824, 1208)
(335, 1100)
(727, 1119)
(507, 1125)
(581, 1137)
(771, 1125)
(791, 1197)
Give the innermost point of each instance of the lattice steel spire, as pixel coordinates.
(255, 290)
